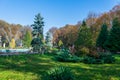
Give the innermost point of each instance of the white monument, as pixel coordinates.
(0, 42)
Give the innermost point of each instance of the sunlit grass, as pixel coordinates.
(34, 67)
(16, 75)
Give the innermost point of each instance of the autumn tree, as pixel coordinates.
(52, 30)
(68, 34)
(8, 31)
(91, 19)
(115, 11)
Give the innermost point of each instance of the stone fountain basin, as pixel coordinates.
(14, 50)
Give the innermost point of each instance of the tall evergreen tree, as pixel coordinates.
(84, 23)
(38, 26)
(84, 36)
(102, 37)
(37, 42)
(113, 41)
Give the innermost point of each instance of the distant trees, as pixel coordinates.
(90, 34)
(37, 33)
(110, 41)
(52, 30)
(87, 36)
(48, 39)
(68, 34)
(91, 19)
(9, 31)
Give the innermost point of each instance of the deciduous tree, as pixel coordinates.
(27, 39)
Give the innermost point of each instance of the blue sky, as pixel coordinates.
(55, 12)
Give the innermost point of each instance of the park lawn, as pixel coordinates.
(34, 67)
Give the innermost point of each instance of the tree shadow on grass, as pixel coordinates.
(38, 64)
(26, 63)
(97, 72)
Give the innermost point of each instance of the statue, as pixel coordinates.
(0, 42)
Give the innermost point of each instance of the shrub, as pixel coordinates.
(74, 59)
(87, 59)
(62, 56)
(107, 57)
(82, 51)
(59, 73)
(47, 49)
(91, 60)
(102, 58)
(65, 56)
(54, 50)
(63, 51)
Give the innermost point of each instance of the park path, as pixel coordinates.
(16, 53)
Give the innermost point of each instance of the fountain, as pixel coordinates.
(12, 48)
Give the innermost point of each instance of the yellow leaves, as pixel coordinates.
(60, 43)
(12, 43)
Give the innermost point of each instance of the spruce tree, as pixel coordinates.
(113, 41)
(84, 36)
(102, 37)
(38, 26)
(37, 42)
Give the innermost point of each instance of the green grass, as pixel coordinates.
(34, 67)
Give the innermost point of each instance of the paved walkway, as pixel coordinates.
(7, 54)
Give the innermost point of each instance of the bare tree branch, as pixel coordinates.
(6, 35)
(11, 35)
(16, 35)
